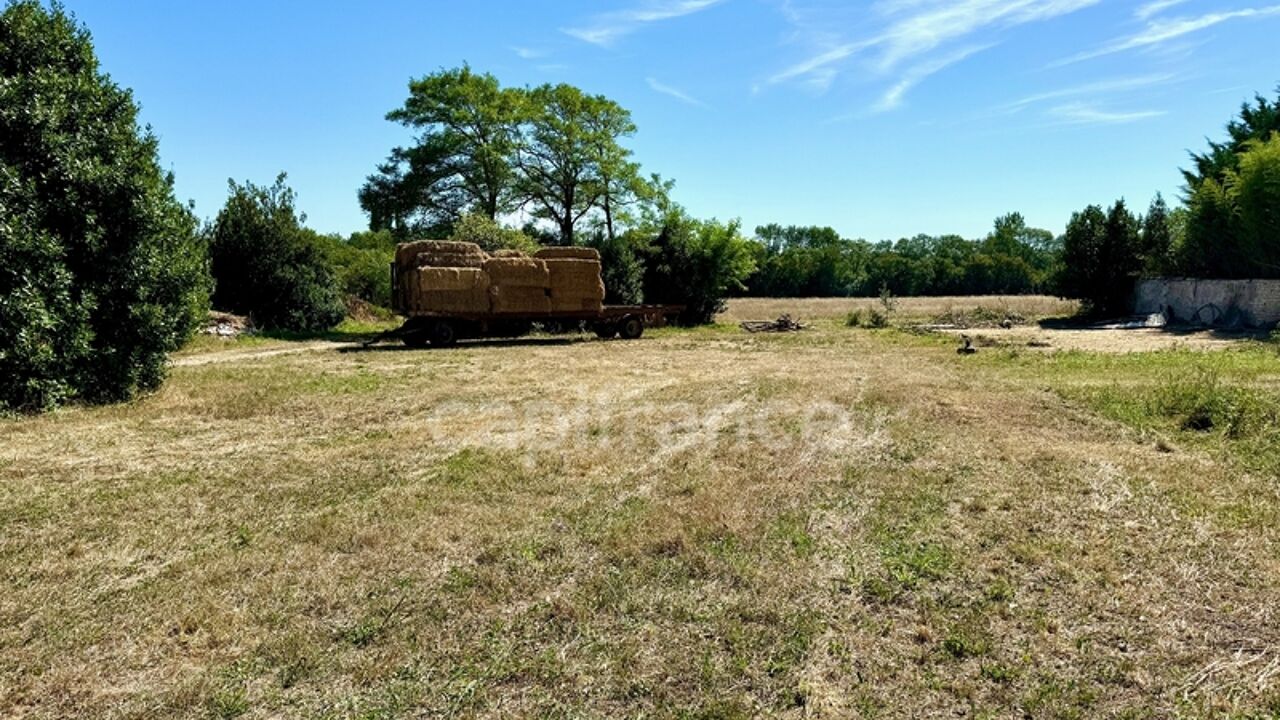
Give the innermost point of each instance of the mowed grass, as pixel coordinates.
(833, 523)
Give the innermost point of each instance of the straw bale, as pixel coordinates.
(407, 253)
(519, 299)
(508, 253)
(473, 300)
(518, 272)
(451, 278)
(572, 277)
(575, 303)
(450, 259)
(567, 252)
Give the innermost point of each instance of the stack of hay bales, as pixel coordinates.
(519, 284)
(443, 276)
(576, 284)
(459, 277)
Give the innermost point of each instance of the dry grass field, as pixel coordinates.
(703, 523)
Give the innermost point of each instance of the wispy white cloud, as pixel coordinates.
(926, 25)
(1155, 7)
(660, 87)
(920, 36)
(528, 53)
(1160, 31)
(1100, 87)
(606, 28)
(1083, 114)
(818, 63)
(892, 98)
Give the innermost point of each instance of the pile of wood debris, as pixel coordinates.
(784, 323)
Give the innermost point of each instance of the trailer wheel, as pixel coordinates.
(631, 327)
(443, 334)
(604, 330)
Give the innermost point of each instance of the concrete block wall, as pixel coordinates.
(1228, 303)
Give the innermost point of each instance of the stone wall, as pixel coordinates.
(1224, 303)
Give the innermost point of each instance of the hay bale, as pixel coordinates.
(575, 278)
(451, 278)
(450, 260)
(508, 253)
(519, 299)
(575, 303)
(518, 272)
(474, 300)
(568, 253)
(407, 252)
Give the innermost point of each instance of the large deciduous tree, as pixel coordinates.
(569, 157)
(461, 159)
(102, 271)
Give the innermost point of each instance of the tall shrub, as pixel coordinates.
(269, 267)
(102, 271)
(696, 263)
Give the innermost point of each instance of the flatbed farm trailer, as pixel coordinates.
(443, 329)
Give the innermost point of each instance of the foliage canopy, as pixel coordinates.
(102, 271)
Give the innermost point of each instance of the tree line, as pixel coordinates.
(795, 261)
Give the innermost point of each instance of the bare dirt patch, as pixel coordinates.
(1104, 340)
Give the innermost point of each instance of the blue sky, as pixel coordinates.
(881, 119)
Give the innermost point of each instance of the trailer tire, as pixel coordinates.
(443, 334)
(417, 339)
(631, 327)
(605, 331)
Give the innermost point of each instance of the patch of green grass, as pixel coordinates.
(792, 529)
(1224, 401)
(998, 673)
(967, 639)
(477, 468)
(869, 318)
(229, 701)
(347, 330)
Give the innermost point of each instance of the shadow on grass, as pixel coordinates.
(334, 335)
(397, 346)
(1080, 322)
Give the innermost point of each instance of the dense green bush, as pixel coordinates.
(102, 272)
(269, 267)
(1254, 192)
(696, 263)
(490, 235)
(362, 264)
(621, 265)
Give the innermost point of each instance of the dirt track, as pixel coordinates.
(222, 356)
